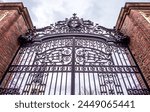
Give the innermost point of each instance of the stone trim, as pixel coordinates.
(21, 10)
(126, 11)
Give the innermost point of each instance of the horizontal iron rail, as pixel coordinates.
(51, 68)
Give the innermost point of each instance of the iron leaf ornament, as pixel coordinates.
(74, 26)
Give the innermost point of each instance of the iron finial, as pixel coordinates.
(74, 14)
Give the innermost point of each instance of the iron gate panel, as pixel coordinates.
(73, 57)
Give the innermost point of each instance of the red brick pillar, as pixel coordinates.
(14, 21)
(134, 21)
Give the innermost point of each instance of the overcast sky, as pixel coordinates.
(45, 12)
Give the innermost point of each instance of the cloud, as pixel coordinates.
(59, 10)
(45, 12)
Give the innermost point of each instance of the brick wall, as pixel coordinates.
(132, 23)
(14, 21)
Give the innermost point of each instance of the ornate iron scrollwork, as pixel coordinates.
(74, 56)
(57, 56)
(85, 55)
(75, 25)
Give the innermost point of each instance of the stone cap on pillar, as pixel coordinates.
(126, 11)
(21, 10)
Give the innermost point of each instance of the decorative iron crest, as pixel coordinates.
(75, 25)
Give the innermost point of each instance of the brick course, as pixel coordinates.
(16, 22)
(137, 28)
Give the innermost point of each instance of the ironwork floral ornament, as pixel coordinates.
(74, 25)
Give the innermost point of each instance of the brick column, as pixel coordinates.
(14, 21)
(134, 21)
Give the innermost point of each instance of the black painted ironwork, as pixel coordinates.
(9, 91)
(73, 57)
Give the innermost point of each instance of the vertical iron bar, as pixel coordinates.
(15, 73)
(3, 77)
(99, 84)
(116, 79)
(73, 69)
(61, 82)
(126, 74)
(46, 79)
(25, 73)
(146, 84)
(127, 65)
(52, 73)
(79, 83)
(105, 88)
(66, 83)
(89, 80)
(56, 80)
(120, 72)
(24, 64)
(84, 81)
(94, 83)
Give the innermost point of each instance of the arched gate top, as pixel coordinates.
(74, 26)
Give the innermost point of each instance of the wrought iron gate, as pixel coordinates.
(73, 57)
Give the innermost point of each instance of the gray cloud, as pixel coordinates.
(45, 12)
